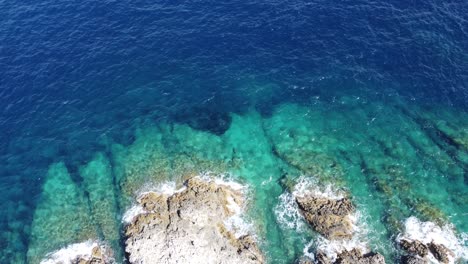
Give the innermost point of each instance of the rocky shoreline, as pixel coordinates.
(195, 225)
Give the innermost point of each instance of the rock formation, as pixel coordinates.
(413, 260)
(414, 247)
(332, 219)
(328, 217)
(440, 252)
(418, 252)
(355, 256)
(189, 227)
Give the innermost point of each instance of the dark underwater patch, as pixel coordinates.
(200, 118)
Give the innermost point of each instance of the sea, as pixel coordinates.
(102, 99)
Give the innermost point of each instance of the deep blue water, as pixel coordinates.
(73, 73)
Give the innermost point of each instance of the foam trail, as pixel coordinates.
(71, 252)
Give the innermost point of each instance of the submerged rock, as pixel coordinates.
(61, 216)
(98, 181)
(328, 217)
(189, 227)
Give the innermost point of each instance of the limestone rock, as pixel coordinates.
(414, 247)
(356, 257)
(328, 217)
(188, 227)
(440, 252)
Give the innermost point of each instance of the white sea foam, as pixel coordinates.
(71, 252)
(427, 232)
(309, 186)
(168, 188)
(287, 212)
(131, 213)
(222, 179)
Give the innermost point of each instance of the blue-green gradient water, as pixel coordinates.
(100, 98)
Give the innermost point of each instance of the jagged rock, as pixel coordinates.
(356, 257)
(321, 258)
(414, 247)
(328, 217)
(188, 227)
(413, 260)
(440, 252)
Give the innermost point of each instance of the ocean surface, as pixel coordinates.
(101, 98)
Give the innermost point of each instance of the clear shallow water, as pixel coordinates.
(99, 98)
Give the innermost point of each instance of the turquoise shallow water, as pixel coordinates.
(394, 158)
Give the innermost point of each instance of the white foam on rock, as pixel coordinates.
(287, 212)
(427, 232)
(359, 239)
(235, 223)
(289, 216)
(167, 188)
(71, 252)
(222, 179)
(131, 213)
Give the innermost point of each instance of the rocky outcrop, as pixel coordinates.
(328, 217)
(332, 219)
(440, 252)
(355, 256)
(413, 260)
(189, 227)
(414, 247)
(418, 252)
